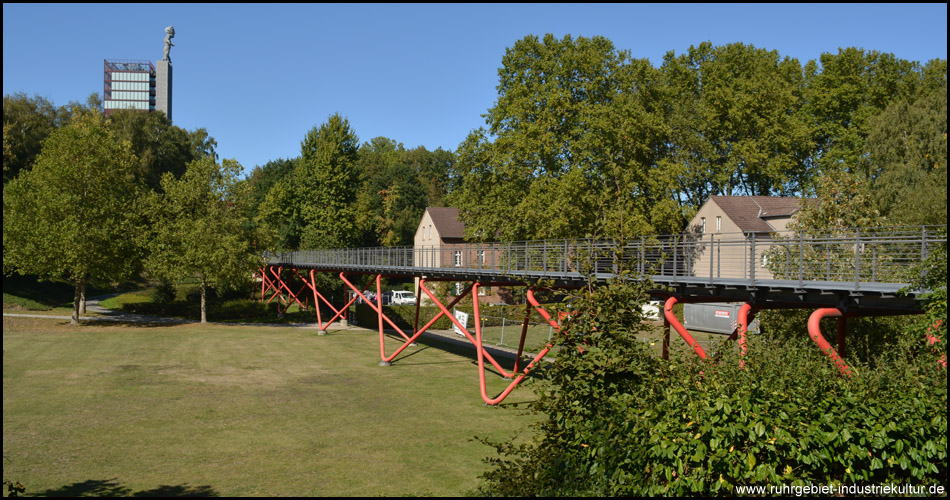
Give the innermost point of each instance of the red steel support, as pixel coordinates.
(462, 328)
(317, 295)
(746, 313)
(271, 284)
(379, 307)
(671, 318)
(481, 353)
(286, 287)
(814, 331)
(419, 332)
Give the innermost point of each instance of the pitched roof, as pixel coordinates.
(446, 221)
(751, 213)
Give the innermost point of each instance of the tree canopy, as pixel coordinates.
(199, 229)
(76, 214)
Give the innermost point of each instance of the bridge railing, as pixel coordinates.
(858, 255)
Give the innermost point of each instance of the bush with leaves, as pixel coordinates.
(620, 421)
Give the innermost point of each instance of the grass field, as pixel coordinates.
(239, 410)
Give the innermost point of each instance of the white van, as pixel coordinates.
(402, 298)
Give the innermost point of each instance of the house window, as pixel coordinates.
(458, 258)
(765, 260)
(718, 223)
(703, 228)
(481, 256)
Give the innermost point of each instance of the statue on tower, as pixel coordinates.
(169, 34)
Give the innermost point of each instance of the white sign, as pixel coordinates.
(463, 319)
(722, 314)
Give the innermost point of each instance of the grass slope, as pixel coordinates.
(238, 410)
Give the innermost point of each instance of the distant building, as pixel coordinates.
(440, 242)
(756, 217)
(138, 85)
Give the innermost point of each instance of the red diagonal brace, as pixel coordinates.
(339, 312)
(375, 307)
(266, 283)
(289, 291)
(481, 352)
(464, 330)
(671, 319)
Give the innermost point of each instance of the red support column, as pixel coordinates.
(481, 354)
(814, 331)
(378, 308)
(462, 328)
(745, 317)
(289, 291)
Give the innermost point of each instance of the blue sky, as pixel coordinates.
(258, 77)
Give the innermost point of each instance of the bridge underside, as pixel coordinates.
(826, 299)
(882, 298)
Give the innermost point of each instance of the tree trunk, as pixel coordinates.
(80, 287)
(204, 315)
(82, 299)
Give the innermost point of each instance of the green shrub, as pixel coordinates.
(163, 293)
(619, 421)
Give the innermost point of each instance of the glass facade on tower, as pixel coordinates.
(128, 85)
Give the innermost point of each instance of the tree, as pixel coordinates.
(327, 180)
(26, 122)
(279, 216)
(571, 147)
(200, 231)
(735, 129)
(394, 191)
(76, 215)
(263, 178)
(842, 94)
(908, 149)
(160, 146)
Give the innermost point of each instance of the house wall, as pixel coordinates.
(728, 260)
(427, 243)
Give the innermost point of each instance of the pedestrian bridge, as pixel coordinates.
(854, 268)
(837, 273)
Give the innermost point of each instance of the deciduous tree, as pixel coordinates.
(327, 180)
(200, 231)
(76, 215)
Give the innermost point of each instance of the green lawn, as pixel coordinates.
(239, 410)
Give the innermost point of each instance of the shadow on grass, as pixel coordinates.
(151, 323)
(463, 348)
(112, 488)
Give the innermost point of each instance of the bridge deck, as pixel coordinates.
(857, 269)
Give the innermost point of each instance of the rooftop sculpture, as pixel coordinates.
(169, 34)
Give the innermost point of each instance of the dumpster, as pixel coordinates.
(720, 317)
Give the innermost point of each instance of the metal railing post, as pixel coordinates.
(752, 259)
(857, 258)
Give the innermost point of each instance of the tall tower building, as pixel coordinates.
(139, 85)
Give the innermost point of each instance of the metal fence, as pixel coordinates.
(858, 255)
